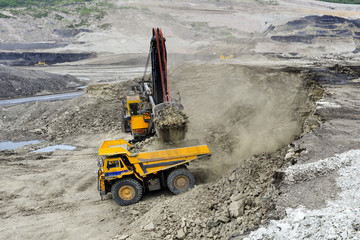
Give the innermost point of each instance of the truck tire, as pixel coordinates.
(180, 180)
(126, 191)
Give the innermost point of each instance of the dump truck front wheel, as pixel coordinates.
(180, 180)
(127, 191)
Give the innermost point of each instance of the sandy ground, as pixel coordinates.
(259, 100)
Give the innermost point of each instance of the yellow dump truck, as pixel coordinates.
(39, 63)
(128, 175)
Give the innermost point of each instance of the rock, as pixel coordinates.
(289, 155)
(149, 227)
(135, 212)
(237, 197)
(123, 237)
(37, 131)
(181, 234)
(258, 201)
(236, 209)
(223, 219)
(232, 177)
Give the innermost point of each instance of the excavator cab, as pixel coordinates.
(135, 120)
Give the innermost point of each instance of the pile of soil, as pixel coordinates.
(99, 110)
(171, 124)
(16, 82)
(231, 206)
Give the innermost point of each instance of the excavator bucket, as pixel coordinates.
(170, 122)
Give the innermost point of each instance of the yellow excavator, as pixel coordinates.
(146, 99)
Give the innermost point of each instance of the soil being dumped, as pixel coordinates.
(171, 124)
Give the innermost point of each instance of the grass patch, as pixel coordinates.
(58, 17)
(82, 23)
(105, 26)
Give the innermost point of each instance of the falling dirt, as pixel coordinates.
(171, 124)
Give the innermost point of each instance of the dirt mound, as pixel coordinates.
(99, 110)
(16, 82)
(171, 124)
(310, 28)
(234, 204)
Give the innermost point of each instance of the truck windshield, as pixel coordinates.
(113, 164)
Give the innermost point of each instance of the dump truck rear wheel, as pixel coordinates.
(180, 180)
(126, 191)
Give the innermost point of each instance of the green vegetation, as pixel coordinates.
(58, 17)
(82, 12)
(105, 26)
(37, 3)
(342, 1)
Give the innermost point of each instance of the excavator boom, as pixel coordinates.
(160, 83)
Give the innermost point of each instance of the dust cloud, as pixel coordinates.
(240, 111)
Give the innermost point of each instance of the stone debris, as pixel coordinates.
(340, 219)
(149, 227)
(303, 172)
(215, 210)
